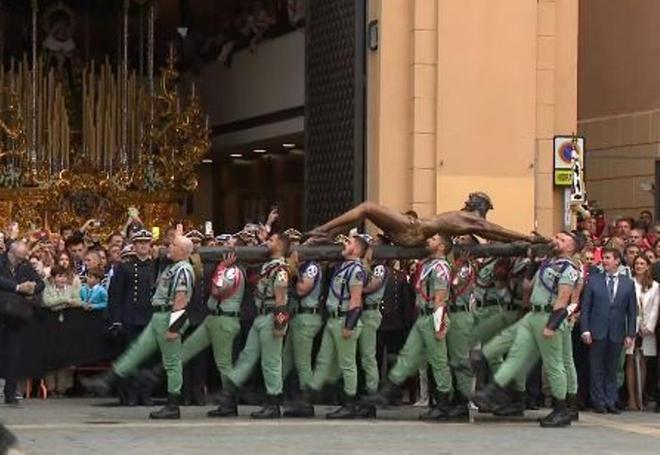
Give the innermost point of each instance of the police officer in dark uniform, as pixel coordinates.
(130, 306)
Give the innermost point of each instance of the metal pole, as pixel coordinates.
(33, 92)
(123, 157)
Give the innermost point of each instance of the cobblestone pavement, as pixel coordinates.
(88, 426)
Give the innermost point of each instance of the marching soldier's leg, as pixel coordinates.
(287, 351)
(553, 362)
(571, 373)
(367, 347)
(410, 357)
(141, 349)
(171, 355)
(346, 359)
(524, 347)
(458, 350)
(223, 332)
(301, 343)
(271, 368)
(199, 340)
(436, 351)
(238, 374)
(248, 357)
(326, 361)
(490, 326)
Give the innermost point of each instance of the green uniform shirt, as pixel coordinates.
(232, 283)
(376, 297)
(311, 271)
(274, 274)
(463, 284)
(433, 276)
(174, 278)
(485, 289)
(549, 277)
(348, 275)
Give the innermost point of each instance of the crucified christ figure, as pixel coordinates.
(406, 230)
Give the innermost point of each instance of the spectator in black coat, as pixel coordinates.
(17, 278)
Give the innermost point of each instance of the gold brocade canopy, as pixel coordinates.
(88, 141)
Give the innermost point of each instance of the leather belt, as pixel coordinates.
(266, 310)
(336, 314)
(305, 310)
(426, 311)
(231, 314)
(161, 308)
(372, 306)
(541, 309)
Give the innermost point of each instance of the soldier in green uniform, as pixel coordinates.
(220, 328)
(459, 337)
(494, 351)
(303, 328)
(553, 286)
(490, 302)
(372, 295)
(265, 339)
(174, 288)
(426, 341)
(337, 354)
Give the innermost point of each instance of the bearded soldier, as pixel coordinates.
(553, 286)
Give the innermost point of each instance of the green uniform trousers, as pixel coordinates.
(218, 332)
(336, 357)
(569, 363)
(422, 346)
(262, 345)
(151, 339)
(496, 350)
(527, 346)
(459, 339)
(489, 321)
(298, 346)
(367, 348)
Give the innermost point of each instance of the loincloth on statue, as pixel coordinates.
(412, 235)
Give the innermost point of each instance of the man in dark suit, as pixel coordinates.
(17, 276)
(609, 311)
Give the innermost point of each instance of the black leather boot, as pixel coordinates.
(440, 410)
(514, 408)
(559, 417)
(459, 409)
(101, 384)
(149, 378)
(270, 410)
(573, 406)
(301, 408)
(347, 411)
(365, 410)
(480, 368)
(491, 397)
(227, 406)
(169, 411)
(388, 394)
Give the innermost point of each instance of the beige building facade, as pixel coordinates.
(467, 95)
(619, 102)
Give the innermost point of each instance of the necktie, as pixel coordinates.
(610, 286)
